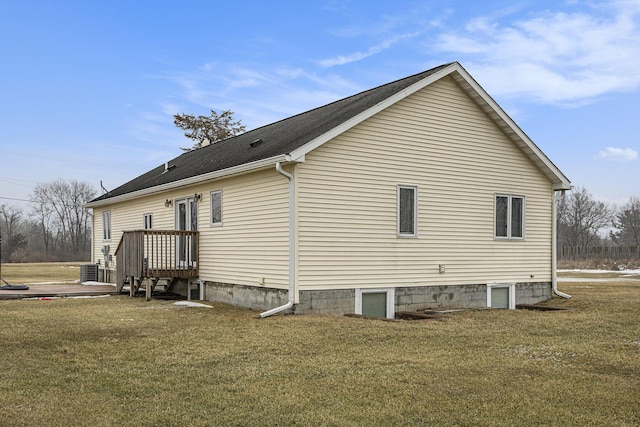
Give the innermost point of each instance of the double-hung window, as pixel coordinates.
(509, 218)
(106, 225)
(407, 211)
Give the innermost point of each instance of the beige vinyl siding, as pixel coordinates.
(251, 243)
(128, 216)
(439, 141)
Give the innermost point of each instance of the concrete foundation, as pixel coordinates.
(342, 301)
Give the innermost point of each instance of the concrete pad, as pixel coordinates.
(59, 290)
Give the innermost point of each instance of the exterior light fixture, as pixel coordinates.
(168, 203)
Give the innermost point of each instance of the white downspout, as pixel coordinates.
(93, 228)
(292, 244)
(554, 249)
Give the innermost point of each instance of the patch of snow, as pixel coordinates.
(191, 304)
(629, 272)
(90, 296)
(97, 284)
(585, 279)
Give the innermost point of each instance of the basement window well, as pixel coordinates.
(501, 295)
(375, 302)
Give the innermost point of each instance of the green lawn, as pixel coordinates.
(122, 361)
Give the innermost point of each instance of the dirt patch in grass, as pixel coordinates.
(122, 361)
(537, 307)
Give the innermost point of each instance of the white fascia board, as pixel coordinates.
(247, 167)
(317, 142)
(563, 183)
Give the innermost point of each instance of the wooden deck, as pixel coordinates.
(153, 255)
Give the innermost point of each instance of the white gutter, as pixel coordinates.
(235, 170)
(554, 248)
(292, 245)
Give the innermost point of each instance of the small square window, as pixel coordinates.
(407, 211)
(501, 295)
(376, 302)
(216, 208)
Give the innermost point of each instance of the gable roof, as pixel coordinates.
(291, 138)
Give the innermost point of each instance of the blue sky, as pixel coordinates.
(88, 89)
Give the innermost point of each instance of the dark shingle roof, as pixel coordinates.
(278, 138)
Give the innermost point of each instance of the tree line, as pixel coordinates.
(586, 222)
(58, 228)
(55, 228)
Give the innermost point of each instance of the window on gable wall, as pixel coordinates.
(407, 211)
(509, 218)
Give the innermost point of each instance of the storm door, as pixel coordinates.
(186, 220)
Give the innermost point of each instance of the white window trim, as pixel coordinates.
(391, 309)
(509, 217)
(512, 293)
(106, 231)
(211, 223)
(415, 211)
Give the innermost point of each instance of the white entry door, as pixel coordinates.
(186, 219)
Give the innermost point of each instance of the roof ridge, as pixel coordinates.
(429, 71)
(280, 137)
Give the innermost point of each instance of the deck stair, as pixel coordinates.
(146, 259)
(150, 285)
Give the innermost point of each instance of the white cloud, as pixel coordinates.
(554, 57)
(357, 56)
(257, 95)
(618, 154)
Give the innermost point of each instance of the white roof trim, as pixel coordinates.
(460, 75)
(511, 129)
(317, 142)
(479, 95)
(247, 167)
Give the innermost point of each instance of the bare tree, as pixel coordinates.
(627, 223)
(59, 206)
(42, 213)
(208, 129)
(581, 218)
(10, 221)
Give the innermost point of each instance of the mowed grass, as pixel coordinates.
(47, 272)
(122, 361)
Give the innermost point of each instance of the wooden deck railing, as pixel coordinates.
(146, 254)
